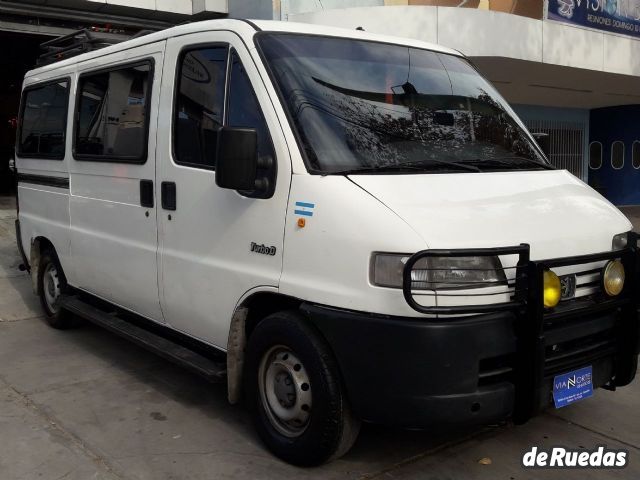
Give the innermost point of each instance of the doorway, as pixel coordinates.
(19, 54)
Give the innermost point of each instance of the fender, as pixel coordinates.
(34, 261)
(252, 307)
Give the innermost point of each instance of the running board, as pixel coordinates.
(212, 370)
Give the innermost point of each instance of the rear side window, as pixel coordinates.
(113, 114)
(199, 111)
(43, 121)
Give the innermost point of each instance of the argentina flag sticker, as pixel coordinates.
(304, 208)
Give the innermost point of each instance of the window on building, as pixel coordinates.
(595, 155)
(199, 111)
(635, 154)
(112, 114)
(617, 155)
(44, 120)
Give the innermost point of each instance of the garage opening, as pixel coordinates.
(19, 54)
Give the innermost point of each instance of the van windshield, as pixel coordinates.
(362, 106)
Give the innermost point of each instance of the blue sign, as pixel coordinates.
(573, 386)
(618, 16)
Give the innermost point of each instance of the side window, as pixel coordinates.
(199, 110)
(595, 155)
(243, 109)
(112, 114)
(617, 155)
(43, 121)
(635, 155)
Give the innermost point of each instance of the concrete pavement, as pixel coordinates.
(84, 404)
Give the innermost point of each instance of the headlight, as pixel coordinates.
(620, 241)
(437, 273)
(613, 278)
(552, 291)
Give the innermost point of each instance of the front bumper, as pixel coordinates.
(475, 370)
(415, 374)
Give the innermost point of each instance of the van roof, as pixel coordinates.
(245, 28)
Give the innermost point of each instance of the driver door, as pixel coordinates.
(205, 232)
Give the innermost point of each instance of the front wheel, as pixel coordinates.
(294, 392)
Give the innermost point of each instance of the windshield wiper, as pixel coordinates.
(416, 166)
(507, 161)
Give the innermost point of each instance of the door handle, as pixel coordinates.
(146, 193)
(168, 195)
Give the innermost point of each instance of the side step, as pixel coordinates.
(210, 369)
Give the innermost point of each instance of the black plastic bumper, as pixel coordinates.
(415, 374)
(418, 373)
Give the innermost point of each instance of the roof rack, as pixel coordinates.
(79, 42)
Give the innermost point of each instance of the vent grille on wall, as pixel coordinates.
(567, 143)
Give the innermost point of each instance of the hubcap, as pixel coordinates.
(51, 287)
(285, 391)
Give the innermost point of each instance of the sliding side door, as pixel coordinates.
(112, 176)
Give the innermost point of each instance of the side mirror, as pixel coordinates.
(544, 142)
(237, 158)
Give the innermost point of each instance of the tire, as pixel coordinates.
(285, 346)
(51, 285)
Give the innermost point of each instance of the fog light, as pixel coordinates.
(552, 289)
(613, 278)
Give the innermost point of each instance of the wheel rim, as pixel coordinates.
(51, 287)
(285, 391)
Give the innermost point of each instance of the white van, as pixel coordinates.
(342, 226)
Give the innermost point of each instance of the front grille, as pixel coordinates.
(578, 352)
(590, 328)
(579, 332)
(589, 281)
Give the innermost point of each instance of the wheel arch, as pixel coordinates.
(39, 245)
(252, 308)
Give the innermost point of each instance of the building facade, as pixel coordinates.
(26, 24)
(570, 68)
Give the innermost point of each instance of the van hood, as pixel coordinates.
(553, 211)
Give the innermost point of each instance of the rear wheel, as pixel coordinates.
(296, 398)
(51, 285)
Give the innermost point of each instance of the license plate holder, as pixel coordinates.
(572, 386)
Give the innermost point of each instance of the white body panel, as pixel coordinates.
(553, 211)
(191, 271)
(44, 210)
(336, 244)
(204, 257)
(113, 241)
